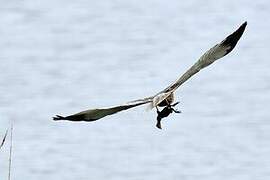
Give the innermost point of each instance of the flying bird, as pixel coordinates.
(164, 98)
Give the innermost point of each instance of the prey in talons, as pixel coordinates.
(165, 113)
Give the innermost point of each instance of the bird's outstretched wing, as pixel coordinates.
(95, 114)
(218, 51)
(213, 54)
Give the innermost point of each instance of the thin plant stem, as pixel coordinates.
(4, 139)
(10, 151)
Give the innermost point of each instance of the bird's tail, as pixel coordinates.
(57, 118)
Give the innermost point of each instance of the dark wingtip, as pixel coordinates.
(242, 28)
(57, 118)
(232, 39)
(75, 117)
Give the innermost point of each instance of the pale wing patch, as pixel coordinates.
(159, 98)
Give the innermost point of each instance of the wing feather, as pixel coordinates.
(95, 114)
(218, 51)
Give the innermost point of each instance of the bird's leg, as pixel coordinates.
(174, 110)
(175, 104)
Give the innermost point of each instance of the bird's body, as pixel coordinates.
(166, 96)
(165, 113)
(167, 101)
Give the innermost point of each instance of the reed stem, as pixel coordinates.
(10, 151)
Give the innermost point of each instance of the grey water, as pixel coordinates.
(63, 56)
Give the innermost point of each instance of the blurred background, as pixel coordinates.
(64, 56)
